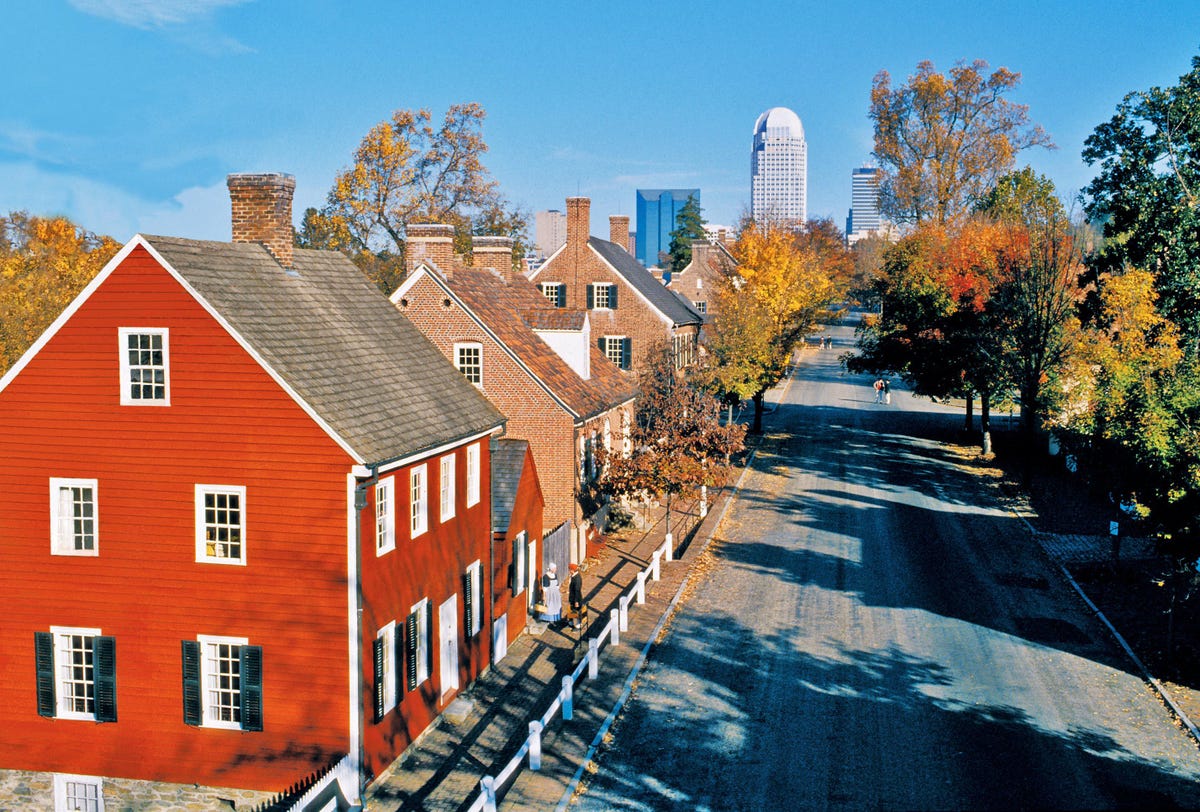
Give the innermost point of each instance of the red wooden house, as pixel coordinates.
(245, 527)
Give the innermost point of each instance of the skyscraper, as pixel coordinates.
(549, 232)
(657, 210)
(864, 212)
(779, 167)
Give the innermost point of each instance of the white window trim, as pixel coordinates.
(446, 487)
(473, 474)
(61, 710)
(202, 557)
(475, 576)
(385, 498)
(460, 345)
(391, 668)
(123, 334)
(61, 780)
(207, 719)
(521, 576)
(607, 287)
(418, 522)
(547, 287)
(64, 543)
(424, 641)
(613, 341)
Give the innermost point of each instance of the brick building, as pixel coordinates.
(538, 363)
(698, 281)
(629, 309)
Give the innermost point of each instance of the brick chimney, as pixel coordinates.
(262, 212)
(579, 220)
(618, 230)
(431, 241)
(495, 253)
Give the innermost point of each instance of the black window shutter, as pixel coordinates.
(191, 683)
(626, 353)
(104, 659)
(43, 646)
(251, 673)
(468, 603)
(411, 650)
(401, 682)
(591, 296)
(561, 295)
(612, 296)
(377, 658)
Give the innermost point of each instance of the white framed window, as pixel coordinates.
(618, 349)
(422, 652)
(73, 517)
(701, 307)
(473, 599)
(75, 672)
(221, 524)
(468, 357)
(145, 366)
(387, 637)
(555, 292)
(221, 681)
(418, 500)
(472, 474)
(385, 516)
(518, 564)
(446, 484)
(603, 296)
(78, 793)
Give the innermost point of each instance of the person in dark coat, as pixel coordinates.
(575, 595)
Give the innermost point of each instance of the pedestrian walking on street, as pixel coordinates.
(575, 595)
(551, 595)
(887, 392)
(879, 390)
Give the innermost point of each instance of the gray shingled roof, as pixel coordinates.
(339, 343)
(673, 307)
(508, 464)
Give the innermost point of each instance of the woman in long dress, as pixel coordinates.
(551, 595)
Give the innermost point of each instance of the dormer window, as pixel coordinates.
(145, 379)
(602, 296)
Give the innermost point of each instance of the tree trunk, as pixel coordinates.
(970, 419)
(758, 412)
(985, 423)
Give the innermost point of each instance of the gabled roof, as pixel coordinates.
(673, 307)
(508, 466)
(338, 344)
(510, 310)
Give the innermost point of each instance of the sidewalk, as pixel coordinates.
(441, 771)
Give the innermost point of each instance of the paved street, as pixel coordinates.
(875, 632)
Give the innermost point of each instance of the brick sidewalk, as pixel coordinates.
(441, 771)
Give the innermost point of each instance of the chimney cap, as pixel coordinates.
(429, 230)
(260, 179)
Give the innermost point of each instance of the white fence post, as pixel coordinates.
(488, 785)
(535, 745)
(568, 697)
(641, 587)
(624, 602)
(655, 565)
(593, 658)
(616, 627)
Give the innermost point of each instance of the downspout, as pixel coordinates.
(491, 583)
(356, 692)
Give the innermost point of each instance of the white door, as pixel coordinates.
(448, 639)
(499, 638)
(535, 574)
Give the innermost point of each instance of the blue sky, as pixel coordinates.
(127, 115)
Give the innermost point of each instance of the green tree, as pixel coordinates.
(689, 226)
(943, 140)
(1147, 192)
(44, 264)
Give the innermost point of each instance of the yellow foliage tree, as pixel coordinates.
(44, 263)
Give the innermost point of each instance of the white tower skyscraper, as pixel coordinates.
(779, 167)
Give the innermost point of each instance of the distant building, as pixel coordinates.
(657, 211)
(779, 167)
(549, 232)
(864, 218)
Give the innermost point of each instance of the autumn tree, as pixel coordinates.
(406, 171)
(1147, 195)
(677, 442)
(689, 226)
(943, 140)
(44, 264)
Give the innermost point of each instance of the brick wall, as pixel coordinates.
(262, 212)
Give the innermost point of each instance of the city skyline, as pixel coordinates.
(129, 117)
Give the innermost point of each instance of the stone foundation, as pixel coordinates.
(34, 791)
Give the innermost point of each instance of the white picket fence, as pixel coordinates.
(491, 785)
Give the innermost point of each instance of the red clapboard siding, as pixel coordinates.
(228, 423)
